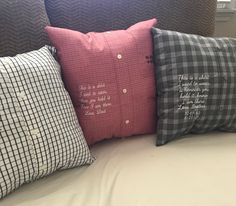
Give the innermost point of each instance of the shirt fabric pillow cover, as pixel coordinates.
(110, 78)
(40, 132)
(196, 84)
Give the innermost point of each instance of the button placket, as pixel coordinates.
(124, 81)
(121, 66)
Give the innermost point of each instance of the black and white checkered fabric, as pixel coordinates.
(196, 84)
(39, 129)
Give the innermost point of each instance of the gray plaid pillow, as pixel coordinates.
(40, 132)
(196, 84)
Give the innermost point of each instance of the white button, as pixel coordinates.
(43, 167)
(124, 91)
(127, 121)
(1, 113)
(18, 109)
(34, 131)
(22, 95)
(119, 56)
(33, 155)
(8, 60)
(3, 71)
(108, 32)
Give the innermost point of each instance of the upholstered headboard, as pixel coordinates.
(22, 22)
(189, 16)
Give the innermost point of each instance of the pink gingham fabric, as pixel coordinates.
(110, 78)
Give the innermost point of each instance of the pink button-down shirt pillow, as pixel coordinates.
(110, 78)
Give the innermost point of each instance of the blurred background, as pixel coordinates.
(226, 18)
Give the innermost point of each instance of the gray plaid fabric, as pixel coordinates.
(40, 132)
(196, 84)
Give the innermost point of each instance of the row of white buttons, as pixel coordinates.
(119, 56)
(125, 91)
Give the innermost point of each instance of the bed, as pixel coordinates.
(196, 170)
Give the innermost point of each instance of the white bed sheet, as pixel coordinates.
(195, 171)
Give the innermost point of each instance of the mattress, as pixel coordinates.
(192, 171)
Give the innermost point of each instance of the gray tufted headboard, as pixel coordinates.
(22, 22)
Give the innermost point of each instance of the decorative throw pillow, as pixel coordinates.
(22, 26)
(196, 84)
(40, 132)
(110, 78)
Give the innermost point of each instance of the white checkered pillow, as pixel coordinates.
(196, 84)
(40, 132)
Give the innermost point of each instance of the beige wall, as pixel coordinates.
(227, 28)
